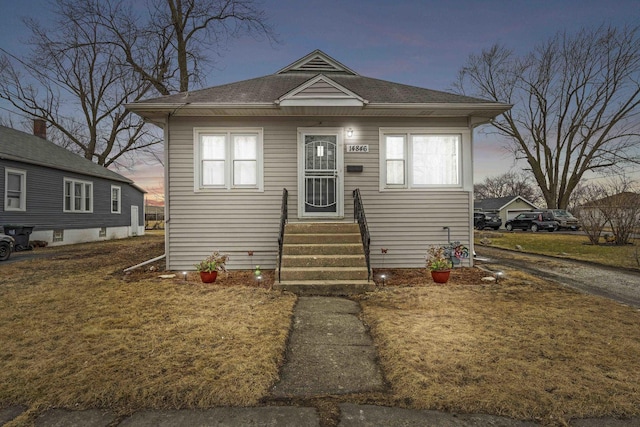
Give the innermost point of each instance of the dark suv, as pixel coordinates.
(534, 221)
(483, 220)
(564, 218)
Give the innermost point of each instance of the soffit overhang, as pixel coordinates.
(159, 112)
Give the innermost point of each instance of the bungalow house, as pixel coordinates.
(64, 197)
(345, 147)
(506, 207)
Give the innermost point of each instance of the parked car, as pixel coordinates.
(534, 221)
(6, 246)
(482, 220)
(564, 218)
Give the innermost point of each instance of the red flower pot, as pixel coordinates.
(208, 277)
(440, 276)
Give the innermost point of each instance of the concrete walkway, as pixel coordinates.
(329, 353)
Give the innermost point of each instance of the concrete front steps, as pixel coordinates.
(323, 258)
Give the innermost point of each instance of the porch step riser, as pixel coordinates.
(324, 261)
(324, 288)
(301, 249)
(321, 273)
(321, 228)
(321, 238)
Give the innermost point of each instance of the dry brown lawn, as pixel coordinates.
(78, 333)
(522, 348)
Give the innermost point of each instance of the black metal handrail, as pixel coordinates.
(359, 216)
(284, 209)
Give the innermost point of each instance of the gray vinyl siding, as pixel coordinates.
(403, 222)
(45, 200)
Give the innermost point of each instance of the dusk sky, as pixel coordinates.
(421, 43)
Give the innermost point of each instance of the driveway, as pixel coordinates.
(33, 254)
(613, 283)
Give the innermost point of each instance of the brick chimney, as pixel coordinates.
(40, 128)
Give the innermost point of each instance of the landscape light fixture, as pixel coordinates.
(184, 275)
(383, 277)
(498, 275)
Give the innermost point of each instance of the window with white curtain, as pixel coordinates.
(420, 160)
(228, 159)
(15, 182)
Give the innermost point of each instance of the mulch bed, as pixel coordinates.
(393, 277)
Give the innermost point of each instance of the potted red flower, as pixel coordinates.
(440, 260)
(209, 267)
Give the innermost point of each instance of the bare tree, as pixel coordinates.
(507, 184)
(79, 87)
(103, 54)
(576, 102)
(169, 43)
(591, 218)
(615, 204)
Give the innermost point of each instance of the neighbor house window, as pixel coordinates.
(58, 235)
(78, 196)
(15, 190)
(115, 199)
(228, 158)
(419, 159)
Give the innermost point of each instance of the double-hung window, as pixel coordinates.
(229, 159)
(78, 195)
(418, 159)
(15, 190)
(115, 199)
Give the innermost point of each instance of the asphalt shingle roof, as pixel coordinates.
(269, 88)
(494, 204)
(27, 148)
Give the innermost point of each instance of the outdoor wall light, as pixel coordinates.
(349, 133)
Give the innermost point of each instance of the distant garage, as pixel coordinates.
(505, 207)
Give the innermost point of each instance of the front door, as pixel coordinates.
(320, 167)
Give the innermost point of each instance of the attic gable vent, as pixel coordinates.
(317, 62)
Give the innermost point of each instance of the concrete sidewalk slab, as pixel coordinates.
(329, 352)
(10, 412)
(381, 416)
(64, 418)
(329, 329)
(273, 416)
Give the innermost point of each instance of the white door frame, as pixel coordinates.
(338, 132)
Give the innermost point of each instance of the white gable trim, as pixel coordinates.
(333, 95)
(516, 199)
(317, 61)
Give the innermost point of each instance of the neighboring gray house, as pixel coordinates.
(320, 130)
(65, 197)
(506, 207)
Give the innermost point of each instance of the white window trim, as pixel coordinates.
(23, 193)
(463, 143)
(228, 185)
(76, 181)
(119, 199)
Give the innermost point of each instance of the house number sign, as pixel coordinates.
(357, 148)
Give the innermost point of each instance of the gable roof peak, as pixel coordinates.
(317, 62)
